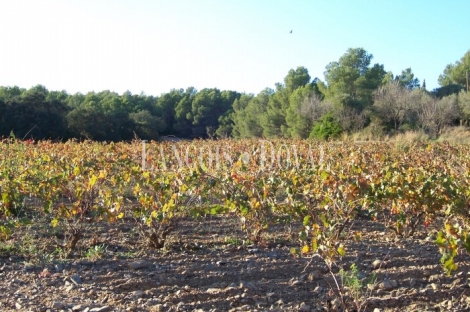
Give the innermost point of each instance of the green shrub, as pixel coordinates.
(327, 127)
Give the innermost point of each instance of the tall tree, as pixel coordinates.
(456, 73)
(392, 103)
(273, 120)
(147, 126)
(408, 80)
(434, 114)
(183, 116)
(351, 81)
(89, 122)
(165, 108)
(139, 102)
(296, 78)
(208, 105)
(247, 112)
(75, 100)
(299, 125)
(31, 115)
(463, 100)
(8, 93)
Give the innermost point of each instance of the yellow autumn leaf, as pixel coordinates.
(54, 223)
(341, 251)
(76, 170)
(92, 181)
(102, 174)
(305, 249)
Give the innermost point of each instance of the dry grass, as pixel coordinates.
(409, 136)
(455, 135)
(371, 133)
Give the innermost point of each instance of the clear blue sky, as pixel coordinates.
(241, 45)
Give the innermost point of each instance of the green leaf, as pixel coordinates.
(295, 251)
(466, 242)
(47, 206)
(25, 221)
(244, 209)
(5, 198)
(440, 239)
(450, 266)
(214, 210)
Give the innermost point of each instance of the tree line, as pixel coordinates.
(354, 96)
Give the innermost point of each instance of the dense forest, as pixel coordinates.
(356, 95)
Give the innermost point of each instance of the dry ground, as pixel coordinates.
(206, 267)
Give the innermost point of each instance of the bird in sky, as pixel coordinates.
(291, 31)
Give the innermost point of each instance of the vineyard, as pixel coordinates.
(329, 219)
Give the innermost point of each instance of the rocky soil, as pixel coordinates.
(206, 266)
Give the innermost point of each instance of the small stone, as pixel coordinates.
(158, 307)
(271, 254)
(434, 286)
(78, 307)
(376, 264)
(386, 285)
(335, 304)
(137, 294)
(30, 267)
(313, 275)
(304, 307)
(18, 306)
(280, 302)
(59, 267)
(376, 310)
(139, 264)
(102, 309)
(270, 297)
(57, 305)
(213, 290)
(247, 300)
